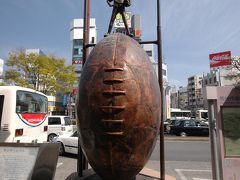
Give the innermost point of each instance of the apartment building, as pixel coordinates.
(195, 97)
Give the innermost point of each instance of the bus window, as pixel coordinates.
(180, 114)
(1, 108)
(204, 115)
(28, 102)
(186, 114)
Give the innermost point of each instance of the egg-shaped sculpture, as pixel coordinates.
(118, 108)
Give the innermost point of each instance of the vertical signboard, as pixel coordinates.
(224, 120)
(231, 127)
(220, 59)
(118, 23)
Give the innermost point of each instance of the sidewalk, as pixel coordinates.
(145, 174)
(155, 174)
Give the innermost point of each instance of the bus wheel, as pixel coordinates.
(61, 149)
(50, 137)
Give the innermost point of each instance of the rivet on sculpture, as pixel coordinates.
(118, 108)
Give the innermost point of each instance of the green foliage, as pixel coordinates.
(2, 84)
(47, 74)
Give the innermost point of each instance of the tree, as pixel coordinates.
(235, 73)
(47, 74)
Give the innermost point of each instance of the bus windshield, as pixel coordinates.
(204, 115)
(28, 102)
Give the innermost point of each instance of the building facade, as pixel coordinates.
(182, 98)
(34, 51)
(76, 38)
(219, 77)
(195, 96)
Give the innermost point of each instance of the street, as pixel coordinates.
(183, 159)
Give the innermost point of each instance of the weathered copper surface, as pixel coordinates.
(118, 108)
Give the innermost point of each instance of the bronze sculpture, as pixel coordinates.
(118, 7)
(118, 108)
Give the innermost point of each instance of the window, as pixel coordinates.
(149, 53)
(67, 120)
(93, 39)
(75, 51)
(75, 134)
(78, 42)
(204, 115)
(164, 72)
(74, 113)
(189, 123)
(1, 108)
(28, 102)
(186, 123)
(51, 103)
(54, 121)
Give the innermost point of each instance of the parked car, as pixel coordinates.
(166, 124)
(172, 122)
(68, 143)
(189, 127)
(58, 125)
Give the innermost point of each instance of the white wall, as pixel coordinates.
(76, 29)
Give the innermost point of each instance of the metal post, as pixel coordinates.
(219, 76)
(86, 29)
(82, 162)
(212, 134)
(160, 81)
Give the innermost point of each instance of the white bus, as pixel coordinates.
(202, 114)
(23, 113)
(180, 114)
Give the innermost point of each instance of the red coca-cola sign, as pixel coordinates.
(77, 61)
(32, 119)
(220, 59)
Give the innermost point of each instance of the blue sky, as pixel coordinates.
(191, 29)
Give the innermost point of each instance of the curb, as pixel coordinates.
(154, 174)
(188, 138)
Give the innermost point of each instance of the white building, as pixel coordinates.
(195, 97)
(182, 98)
(34, 51)
(76, 37)
(219, 77)
(149, 48)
